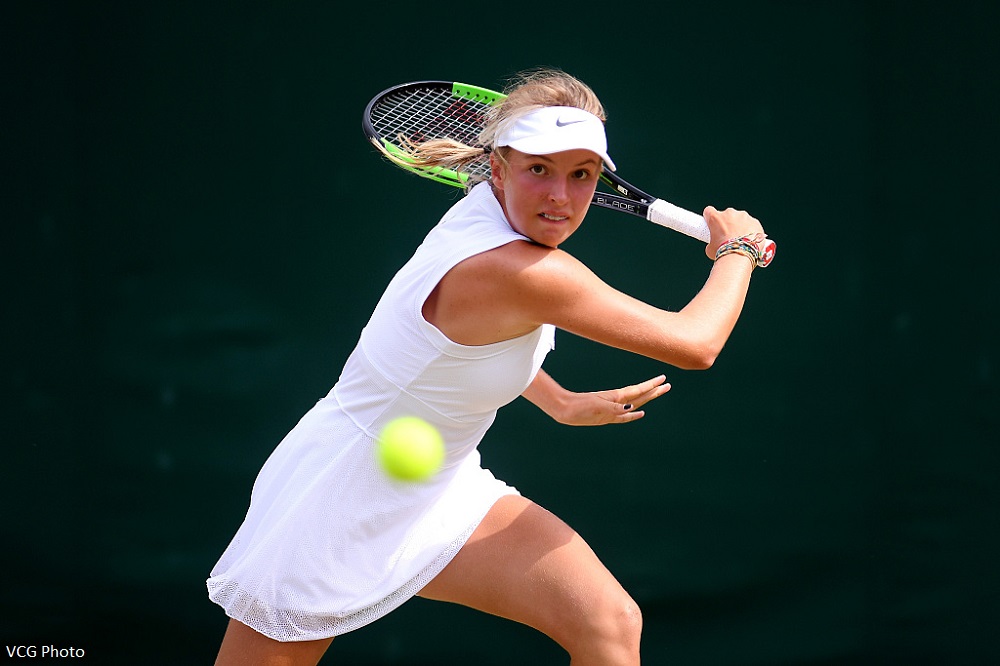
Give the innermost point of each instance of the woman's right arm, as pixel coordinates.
(555, 288)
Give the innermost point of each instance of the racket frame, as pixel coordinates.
(626, 197)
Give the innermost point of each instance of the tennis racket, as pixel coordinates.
(426, 110)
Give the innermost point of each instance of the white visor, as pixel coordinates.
(553, 129)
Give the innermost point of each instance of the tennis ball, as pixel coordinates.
(410, 449)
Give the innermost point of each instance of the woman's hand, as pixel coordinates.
(728, 224)
(611, 406)
(598, 408)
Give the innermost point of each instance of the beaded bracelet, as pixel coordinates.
(745, 245)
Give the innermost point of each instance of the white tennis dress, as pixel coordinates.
(329, 543)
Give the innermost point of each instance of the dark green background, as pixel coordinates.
(194, 232)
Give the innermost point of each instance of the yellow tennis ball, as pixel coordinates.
(410, 449)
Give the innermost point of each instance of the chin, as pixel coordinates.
(549, 241)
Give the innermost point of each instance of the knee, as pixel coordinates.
(627, 619)
(617, 622)
(599, 629)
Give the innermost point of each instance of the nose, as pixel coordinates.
(559, 191)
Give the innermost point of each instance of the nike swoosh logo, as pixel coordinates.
(562, 123)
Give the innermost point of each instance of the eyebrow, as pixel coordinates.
(546, 158)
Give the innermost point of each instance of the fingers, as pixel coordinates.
(614, 405)
(635, 390)
(629, 414)
(650, 383)
(729, 223)
(630, 398)
(731, 216)
(639, 394)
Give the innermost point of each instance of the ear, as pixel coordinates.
(496, 172)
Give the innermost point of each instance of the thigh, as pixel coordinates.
(525, 564)
(242, 646)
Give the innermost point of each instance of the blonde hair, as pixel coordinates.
(528, 91)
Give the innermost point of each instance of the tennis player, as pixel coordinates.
(330, 544)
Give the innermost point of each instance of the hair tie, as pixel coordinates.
(748, 246)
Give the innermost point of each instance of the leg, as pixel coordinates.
(524, 564)
(242, 646)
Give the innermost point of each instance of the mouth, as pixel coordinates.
(553, 218)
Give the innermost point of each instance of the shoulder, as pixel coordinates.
(504, 292)
(528, 266)
(533, 284)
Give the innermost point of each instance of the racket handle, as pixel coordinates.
(674, 217)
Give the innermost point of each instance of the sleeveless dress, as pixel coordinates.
(329, 542)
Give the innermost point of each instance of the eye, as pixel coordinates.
(537, 169)
(582, 174)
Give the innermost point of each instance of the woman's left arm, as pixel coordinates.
(596, 408)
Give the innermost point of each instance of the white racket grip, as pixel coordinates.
(674, 217)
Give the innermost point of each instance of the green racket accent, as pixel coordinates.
(477, 94)
(438, 174)
(414, 113)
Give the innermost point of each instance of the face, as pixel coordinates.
(546, 197)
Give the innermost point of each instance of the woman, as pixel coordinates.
(330, 543)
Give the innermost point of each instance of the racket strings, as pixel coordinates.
(422, 114)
